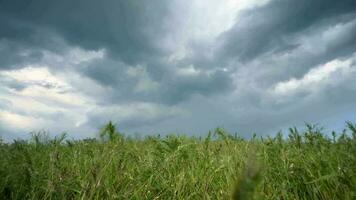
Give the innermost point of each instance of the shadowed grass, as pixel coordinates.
(304, 165)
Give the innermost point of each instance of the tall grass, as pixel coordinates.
(304, 165)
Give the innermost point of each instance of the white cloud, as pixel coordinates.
(188, 71)
(50, 99)
(45, 94)
(316, 77)
(38, 75)
(14, 121)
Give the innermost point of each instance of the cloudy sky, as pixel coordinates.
(182, 66)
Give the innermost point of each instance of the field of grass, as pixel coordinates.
(299, 165)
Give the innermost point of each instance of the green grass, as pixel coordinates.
(305, 165)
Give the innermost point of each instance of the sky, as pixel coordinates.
(178, 66)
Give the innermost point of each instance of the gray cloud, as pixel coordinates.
(11, 83)
(5, 104)
(14, 55)
(271, 27)
(170, 88)
(226, 81)
(129, 29)
(130, 32)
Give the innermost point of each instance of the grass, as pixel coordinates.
(303, 165)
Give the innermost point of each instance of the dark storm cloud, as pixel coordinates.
(171, 88)
(129, 29)
(13, 54)
(273, 26)
(22, 41)
(179, 88)
(106, 72)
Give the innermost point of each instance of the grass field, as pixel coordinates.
(298, 165)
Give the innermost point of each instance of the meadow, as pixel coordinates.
(303, 164)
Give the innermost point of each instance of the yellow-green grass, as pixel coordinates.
(306, 165)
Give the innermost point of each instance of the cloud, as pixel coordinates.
(13, 54)
(273, 26)
(130, 34)
(316, 78)
(129, 30)
(321, 94)
(250, 66)
(134, 114)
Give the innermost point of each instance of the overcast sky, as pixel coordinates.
(178, 66)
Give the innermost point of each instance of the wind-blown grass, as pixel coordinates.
(306, 165)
